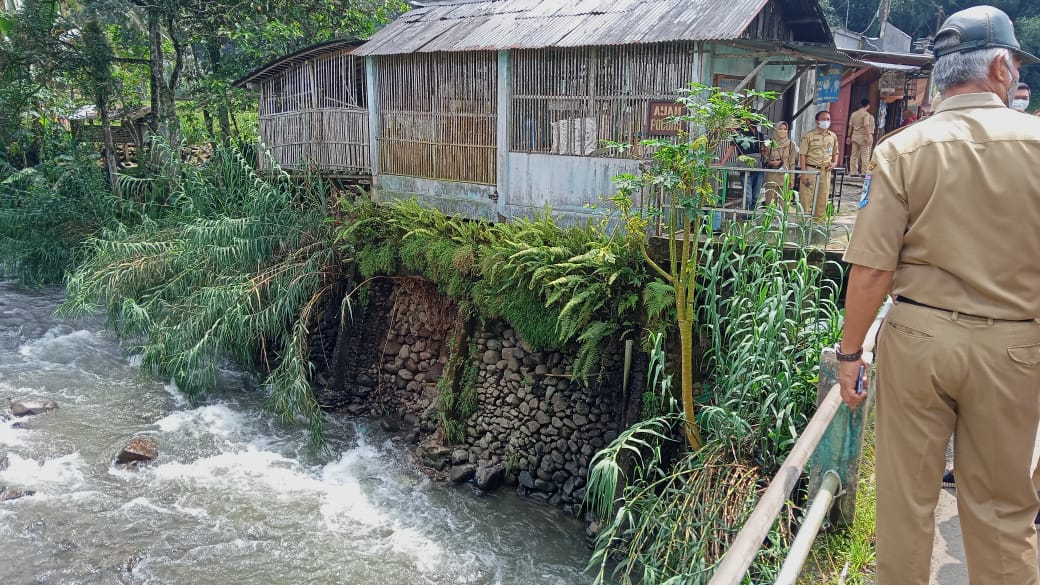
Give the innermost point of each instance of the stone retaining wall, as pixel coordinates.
(534, 427)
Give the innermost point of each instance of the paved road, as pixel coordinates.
(948, 566)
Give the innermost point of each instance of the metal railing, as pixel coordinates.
(833, 438)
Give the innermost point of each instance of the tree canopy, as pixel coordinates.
(174, 55)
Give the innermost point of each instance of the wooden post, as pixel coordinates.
(842, 445)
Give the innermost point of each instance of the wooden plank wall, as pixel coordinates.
(568, 101)
(315, 113)
(438, 115)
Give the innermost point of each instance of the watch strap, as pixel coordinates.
(848, 357)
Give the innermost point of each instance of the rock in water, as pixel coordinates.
(461, 473)
(488, 478)
(138, 449)
(9, 494)
(32, 406)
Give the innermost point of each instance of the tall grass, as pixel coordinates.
(47, 211)
(668, 513)
(765, 311)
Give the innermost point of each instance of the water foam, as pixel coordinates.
(25, 473)
(216, 420)
(59, 344)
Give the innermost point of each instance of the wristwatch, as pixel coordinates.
(848, 357)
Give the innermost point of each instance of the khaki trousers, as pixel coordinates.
(940, 373)
(859, 159)
(805, 192)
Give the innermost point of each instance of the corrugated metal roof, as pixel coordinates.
(282, 63)
(530, 24)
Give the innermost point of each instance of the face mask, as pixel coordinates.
(825, 124)
(1019, 104)
(780, 133)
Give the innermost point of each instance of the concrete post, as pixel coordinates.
(841, 447)
(504, 130)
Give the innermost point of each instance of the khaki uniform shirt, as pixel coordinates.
(862, 124)
(819, 146)
(953, 209)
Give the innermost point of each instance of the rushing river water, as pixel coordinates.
(234, 497)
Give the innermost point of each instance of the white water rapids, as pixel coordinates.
(234, 497)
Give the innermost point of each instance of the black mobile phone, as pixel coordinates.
(859, 380)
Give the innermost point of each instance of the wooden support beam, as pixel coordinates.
(750, 76)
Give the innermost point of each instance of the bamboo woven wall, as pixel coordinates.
(569, 100)
(315, 113)
(439, 113)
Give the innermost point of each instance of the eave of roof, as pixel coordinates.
(922, 60)
(282, 63)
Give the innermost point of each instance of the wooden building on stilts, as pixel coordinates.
(313, 110)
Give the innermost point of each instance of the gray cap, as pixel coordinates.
(982, 27)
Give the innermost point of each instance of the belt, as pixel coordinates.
(814, 166)
(902, 299)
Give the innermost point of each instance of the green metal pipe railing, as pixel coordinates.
(834, 443)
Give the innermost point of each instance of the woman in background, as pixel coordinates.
(780, 153)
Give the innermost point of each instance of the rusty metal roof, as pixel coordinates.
(487, 25)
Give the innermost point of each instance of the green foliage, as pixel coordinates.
(235, 267)
(669, 513)
(765, 310)
(555, 285)
(673, 520)
(676, 182)
(47, 211)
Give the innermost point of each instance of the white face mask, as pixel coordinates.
(1019, 104)
(825, 124)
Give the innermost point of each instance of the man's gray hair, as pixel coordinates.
(960, 68)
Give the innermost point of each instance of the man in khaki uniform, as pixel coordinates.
(948, 224)
(819, 151)
(861, 138)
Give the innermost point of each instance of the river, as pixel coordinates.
(234, 497)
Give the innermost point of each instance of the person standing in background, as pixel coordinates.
(745, 151)
(1020, 102)
(819, 151)
(780, 153)
(861, 138)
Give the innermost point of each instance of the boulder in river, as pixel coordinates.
(32, 406)
(489, 477)
(137, 450)
(461, 473)
(10, 494)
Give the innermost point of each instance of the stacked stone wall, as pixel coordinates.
(534, 427)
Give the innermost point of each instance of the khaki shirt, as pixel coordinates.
(953, 209)
(819, 146)
(862, 124)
